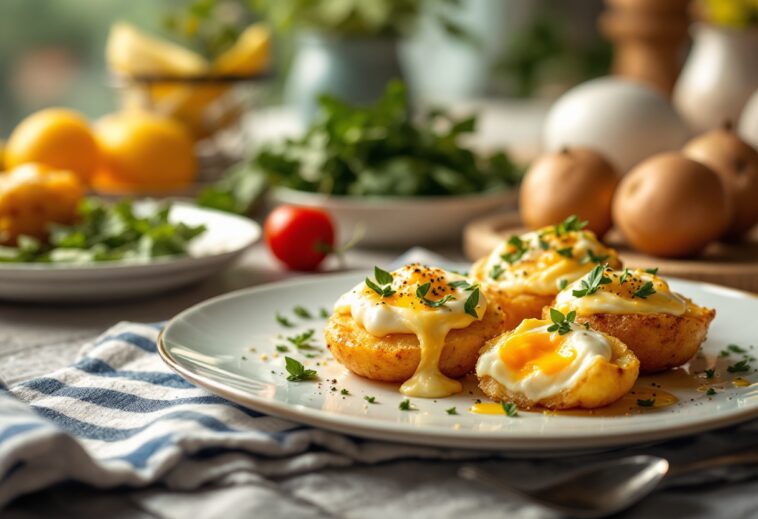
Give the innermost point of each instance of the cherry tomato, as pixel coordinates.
(300, 237)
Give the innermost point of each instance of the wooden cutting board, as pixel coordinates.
(732, 264)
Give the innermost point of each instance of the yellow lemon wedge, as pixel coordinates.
(249, 55)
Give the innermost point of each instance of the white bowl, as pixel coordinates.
(226, 238)
(400, 221)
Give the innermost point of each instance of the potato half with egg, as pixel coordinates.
(523, 274)
(557, 366)
(662, 328)
(419, 325)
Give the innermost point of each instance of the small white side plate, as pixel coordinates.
(228, 345)
(227, 236)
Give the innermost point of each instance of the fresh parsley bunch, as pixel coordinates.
(107, 233)
(379, 150)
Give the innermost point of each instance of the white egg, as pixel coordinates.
(625, 121)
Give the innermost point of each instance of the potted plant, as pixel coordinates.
(346, 48)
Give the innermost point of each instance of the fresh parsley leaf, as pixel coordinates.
(452, 410)
(345, 392)
(302, 341)
(382, 276)
(572, 223)
(646, 403)
(710, 391)
(592, 258)
(586, 325)
(592, 282)
(519, 249)
(383, 285)
(496, 271)
(709, 373)
(281, 348)
(624, 276)
(736, 349)
(471, 302)
(283, 321)
(566, 252)
(652, 271)
(510, 409)
(406, 405)
(297, 372)
(370, 399)
(561, 323)
(562, 284)
(323, 313)
(739, 367)
(302, 312)
(421, 292)
(645, 290)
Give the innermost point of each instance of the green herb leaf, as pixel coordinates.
(592, 282)
(624, 276)
(739, 367)
(421, 292)
(370, 399)
(383, 286)
(561, 323)
(283, 321)
(567, 252)
(518, 249)
(323, 313)
(736, 349)
(510, 409)
(592, 258)
(452, 410)
(709, 373)
(645, 290)
(345, 392)
(572, 223)
(382, 276)
(471, 303)
(303, 340)
(302, 312)
(710, 391)
(496, 271)
(652, 271)
(406, 405)
(562, 284)
(646, 403)
(297, 372)
(281, 348)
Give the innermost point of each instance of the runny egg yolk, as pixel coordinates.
(526, 352)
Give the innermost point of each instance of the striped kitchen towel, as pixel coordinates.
(119, 416)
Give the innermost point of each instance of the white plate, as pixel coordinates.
(210, 345)
(226, 237)
(400, 221)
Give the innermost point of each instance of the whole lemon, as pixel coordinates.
(57, 137)
(141, 151)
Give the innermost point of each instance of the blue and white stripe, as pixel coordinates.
(118, 416)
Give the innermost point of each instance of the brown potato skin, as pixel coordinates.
(660, 341)
(395, 357)
(602, 384)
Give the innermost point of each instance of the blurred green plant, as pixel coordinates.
(390, 18)
(208, 26)
(378, 150)
(544, 48)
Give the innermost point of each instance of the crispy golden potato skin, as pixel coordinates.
(394, 357)
(660, 341)
(602, 384)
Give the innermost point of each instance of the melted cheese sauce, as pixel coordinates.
(541, 268)
(405, 312)
(540, 364)
(618, 296)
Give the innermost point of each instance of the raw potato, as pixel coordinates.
(660, 341)
(671, 206)
(602, 384)
(736, 162)
(394, 357)
(574, 181)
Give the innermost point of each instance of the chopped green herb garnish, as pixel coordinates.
(510, 409)
(561, 323)
(283, 321)
(652, 271)
(302, 312)
(452, 410)
(281, 348)
(563, 283)
(370, 399)
(592, 258)
(421, 292)
(586, 325)
(543, 244)
(572, 223)
(303, 341)
(736, 349)
(710, 391)
(470, 305)
(567, 252)
(383, 284)
(345, 392)
(297, 372)
(496, 272)
(724, 353)
(592, 282)
(646, 403)
(739, 367)
(519, 249)
(645, 290)
(624, 275)
(709, 373)
(323, 313)
(406, 405)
